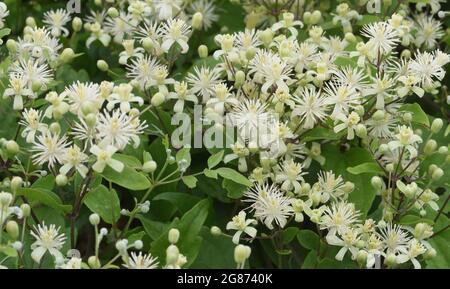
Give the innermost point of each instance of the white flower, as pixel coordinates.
(382, 37)
(74, 158)
(104, 158)
(167, 8)
(123, 95)
(348, 123)
(130, 51)
(32, 121)
(142, 69)
(119, 27)
(288, 23)
(3, 13)
(314, 153)
(80, 94)
(394, 238)
(427, 66)
(269, 205)
(339, 217)
(182, 94)
(208, 10)
(290, 174)
(118, 129)
(428, 31)
(310, 106)
(331, 186)
(17, 88)
(139, 261)
(241, 225)
(202, 81)
(32, 72)
(47, 239)
(174, 31)
(347, 241)
(405, 138)
(382, 88)
(49, 148)
(72, 263)
(97, 33)
(240, 152)
(55, 20)
(342, 97)
(411, 252)
(426, 197)
(276, 72)
(222, 97)
(57, 106)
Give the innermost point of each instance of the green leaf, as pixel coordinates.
(418, 115)
(310, 261)
(190, 181)
(289, 234)
(234, 190)
(45, 197)
(308, 239)
(413, 219)
(215, 159)
(184, 154)
(210, 173)
(189, 226)
(154, 229)
(370, 167)
(128, 160)
(233, 175)
(104, 202)
(320, 133)
(129, 178)
(46, 183)
(182, 201)
(4, 32)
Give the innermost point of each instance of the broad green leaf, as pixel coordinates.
(215, 159)
(153, 228)
(411, 220)
(289, 234)
(418, 115)
(308, 239)
(212, 247)
(320, 133)
(371, 167)
(45, 197)
(104, 202)
(235, 190)
(190, 181)
(4, 32)
(128, 160)
(310, 261)
(129, 178)
(181, 201)
(210, 173)
(234, 176)
(189, 226)
(184, 154)
(46, 183)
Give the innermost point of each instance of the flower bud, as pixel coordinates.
(266, 36)
(203, 51)
(30, 21)
(377, 182)
(67, 55)
(77, 24)
(102, 65)
(429, 254)
(437, 174)
(197, 21)
(378, 115)
(241, 253)
(158, 99)
(307, 17)
(12, 228)
(16, 183)
(348, 187)
(315, 17)
(26, 210)
(361, 257)
(91, 119)
(384, 148)
(149, 167)
(55, 128)
(113, 13)
(138, 244)
(174, 235)
(432, 168)
(436, 125)
(443, 150)
(430, 147)
(406, 54)
(215, 231)
(390, 260)
(390, 168)
(12, 147)
(61, 180)
(121, 246)
(94, 219)
(239, 78)
(172, 254)
(94, 262)
(11, 44)
(361, 130)
(5, 199)
(407, 117)
(350, 37)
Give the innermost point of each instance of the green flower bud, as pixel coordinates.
(361, 130)
(94, 262)
(241, 253)
(239, 78)
(390, 168)
(361, 257)
(30, 21)
(36, 85)
(378, 115)
(11, 44)
(174, 235)
(390, 260)
(197, 21)
(384, 148)
(12, 147)
(158, 99)
(26, 210)
(91, 119)
(377, 182)
(348, 187)
(149, 167)
(12, 228)
(443, 150)
(148, 44)
(215, 231)
(61, 180)
(315, 17)
(88, 107)
(436, 125)
(55, 128)
(307, 17)
(16, 183)
(94, 219)
(437, 174)
(430, 147)
(407, 117)
(406, 54)
(203, 51)
(113, 13)
(67, 55)
(172, 254)
(350, 37)
(5, 199)
(266, 36)
(102, 65)
(77, 24)
(250, 53)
